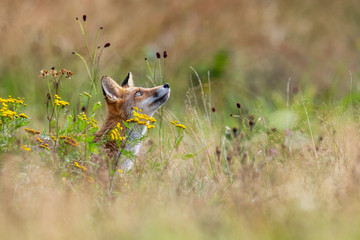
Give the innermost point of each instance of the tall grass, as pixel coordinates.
(247, 165)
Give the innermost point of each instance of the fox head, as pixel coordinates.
(120, 99)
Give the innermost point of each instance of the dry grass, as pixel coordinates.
(280, 195)
(265, 185)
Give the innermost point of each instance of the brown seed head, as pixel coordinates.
(238, 105)
(107, 45)
(84, 18)
(165, 54)
(213, 109)
(158, 55)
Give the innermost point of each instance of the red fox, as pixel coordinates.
(120, 101)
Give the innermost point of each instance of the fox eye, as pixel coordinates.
(138, 94)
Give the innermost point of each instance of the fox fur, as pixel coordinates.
(120, 100)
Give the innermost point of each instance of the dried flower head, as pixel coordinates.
(165, 54)
(238, 105)
(107, 45)
(158, 55)
(84, 17)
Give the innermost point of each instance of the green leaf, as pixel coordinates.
(178, 141)
(187, 156)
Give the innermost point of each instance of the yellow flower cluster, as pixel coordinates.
(59, 102)
(70, 141)
(12, 100)
(176, 124)
(25, 148)
(79, 166)
(39, 140)
(53, 138)
(141, 118)
(115, 134)
(46, 146)
(91, 121)
(6, 112)
(32, 131)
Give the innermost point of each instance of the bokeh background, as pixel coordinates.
(251, 48)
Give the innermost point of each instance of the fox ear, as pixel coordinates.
(128, 81)
(110, 89)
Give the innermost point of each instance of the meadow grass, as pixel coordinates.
(209, 181)
(218, 165)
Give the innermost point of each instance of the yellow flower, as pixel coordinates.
(79, 166)
(178, 124)
(45, 146)
(39, 140)
(23, 115)
(71, 141)
(25, 148)
(53, 138)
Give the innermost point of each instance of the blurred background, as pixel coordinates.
(251, 48)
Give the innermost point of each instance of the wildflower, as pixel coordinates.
(150, 126)
(44, 73)
(62, 71)
(32, 131)
(39, 140)
(71, 141)
(79, 166)
(115, 134)
(180, 126)
(25, 148)
(69, 74)
(107, 45)
(62, 137)
(238, 105)
(165, 54)
(213, 109)
(176, 124)
(45, 146)
(53, 138)
(23, 115)
(158, 55)
(59, 102)
(84, 18)
(53, 72)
